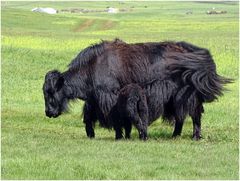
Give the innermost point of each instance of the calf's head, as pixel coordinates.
(54, 94)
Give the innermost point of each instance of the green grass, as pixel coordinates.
(35, 147)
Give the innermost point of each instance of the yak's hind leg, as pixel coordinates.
(89, 118)
(181, 108)
(195, 111)
(196, 118)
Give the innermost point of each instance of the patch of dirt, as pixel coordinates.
(83, 26)
(108, 24)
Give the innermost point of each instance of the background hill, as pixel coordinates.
(36, 147)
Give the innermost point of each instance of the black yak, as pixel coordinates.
(177, 79)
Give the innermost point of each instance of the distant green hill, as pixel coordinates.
(35, 147)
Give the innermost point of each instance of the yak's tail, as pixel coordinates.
(198, 69)
(209, 84)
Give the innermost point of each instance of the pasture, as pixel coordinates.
(36, 147)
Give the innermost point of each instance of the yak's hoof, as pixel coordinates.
(196, 137)
(143, 136)
(127, 137)
(174, 136)
(117, 138)
(91, 136)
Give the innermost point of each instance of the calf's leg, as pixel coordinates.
(178, 127)
(128, 129)
(118, 130)
(140, 124)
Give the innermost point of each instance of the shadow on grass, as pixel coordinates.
(160, 135)
(152, 136)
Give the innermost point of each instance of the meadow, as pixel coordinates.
(36, 147)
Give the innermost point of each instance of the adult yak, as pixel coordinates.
(176, 77)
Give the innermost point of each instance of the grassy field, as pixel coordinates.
(36, 147)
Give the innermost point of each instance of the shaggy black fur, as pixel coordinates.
(131, 108)
(177, 78)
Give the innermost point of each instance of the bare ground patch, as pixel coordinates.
(108, 24)
(83, 26)
(102, 25)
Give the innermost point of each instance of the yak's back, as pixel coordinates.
(87, 55)
(152, 50)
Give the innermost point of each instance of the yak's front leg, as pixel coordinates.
(89, 118)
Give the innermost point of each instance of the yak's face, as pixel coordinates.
(55, 99)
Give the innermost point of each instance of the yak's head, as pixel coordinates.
(54, 94)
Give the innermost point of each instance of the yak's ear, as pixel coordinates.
(59, 83)
(55, 80)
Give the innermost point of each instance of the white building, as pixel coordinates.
(112, 10)
(45, 10)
